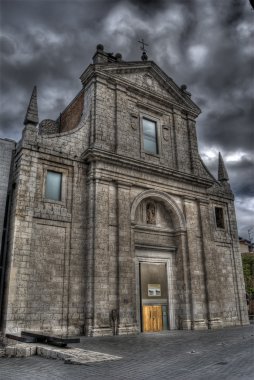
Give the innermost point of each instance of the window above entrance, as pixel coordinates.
(150, 136)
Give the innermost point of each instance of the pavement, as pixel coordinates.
(224, 354)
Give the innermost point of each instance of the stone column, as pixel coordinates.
(209, 258)
(89, 249)
(175, 126)
(182, 147)
(100, 279)
(126, 264)
(194, 248)
(192, 142)
(184, 316)
(237, 269)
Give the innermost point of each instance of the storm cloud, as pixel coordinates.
(204, 44)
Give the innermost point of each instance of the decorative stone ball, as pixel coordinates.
(118, 56)
(100, 47)
(144, 56)
(183, 87)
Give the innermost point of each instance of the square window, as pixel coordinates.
(150, 136)
(53, 188)
(219, 217)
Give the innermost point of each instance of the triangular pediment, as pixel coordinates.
(149, 77)
(147, 81)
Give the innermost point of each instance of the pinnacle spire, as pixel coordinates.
(222, 171)
(32, 109)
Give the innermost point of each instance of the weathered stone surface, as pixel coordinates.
(7, 148)
(69, 355)
(32, 110)
(73, 262)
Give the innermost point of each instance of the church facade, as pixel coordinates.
(115, 225)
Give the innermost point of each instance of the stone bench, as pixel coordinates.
(23, 339)
(40, 337)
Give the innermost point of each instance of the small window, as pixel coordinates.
(53, 189)
(219, 217)
(150, 136)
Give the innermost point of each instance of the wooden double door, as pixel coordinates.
(152, 318)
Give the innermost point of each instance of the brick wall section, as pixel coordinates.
(71, 116)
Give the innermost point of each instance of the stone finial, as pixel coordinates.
(184, 90)
(100, 47)
(101, 56)
(32, 110)
(144, 56)
(118, 57)
(222, 171)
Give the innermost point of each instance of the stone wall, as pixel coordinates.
(119, 127)
(72, 262)
(46, 283)
(46, 256)
(6, 152)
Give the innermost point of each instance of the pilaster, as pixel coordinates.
(196, 274)
(98, 294)
(126, 264)
(237, 269)
(213, 307)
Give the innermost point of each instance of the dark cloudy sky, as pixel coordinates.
(206, 44)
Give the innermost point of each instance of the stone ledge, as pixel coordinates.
(69, 355)
(20, 350)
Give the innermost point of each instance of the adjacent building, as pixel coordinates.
(246, 246)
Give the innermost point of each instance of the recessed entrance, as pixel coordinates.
(153, 296)
(158, 227)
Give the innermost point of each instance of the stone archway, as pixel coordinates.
(167, 200)
(157, 222)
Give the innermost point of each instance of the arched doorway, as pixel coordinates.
(158, 226)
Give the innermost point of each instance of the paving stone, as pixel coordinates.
(164, 356)
(70, 355)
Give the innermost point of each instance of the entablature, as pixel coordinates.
(95, 154)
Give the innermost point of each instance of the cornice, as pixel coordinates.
(95, 154)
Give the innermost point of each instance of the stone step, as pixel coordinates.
(69, 355)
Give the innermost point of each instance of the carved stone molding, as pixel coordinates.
(134, 121)
(165, 132)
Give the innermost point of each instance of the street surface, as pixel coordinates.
(225, 354)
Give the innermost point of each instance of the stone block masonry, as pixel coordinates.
(69, 356)
(7, 148)
(74, 263)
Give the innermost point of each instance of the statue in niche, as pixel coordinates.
(150, 213)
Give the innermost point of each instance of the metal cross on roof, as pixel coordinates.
(143, 45)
